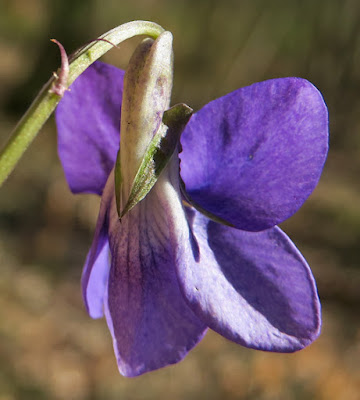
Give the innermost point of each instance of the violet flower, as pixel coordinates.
(250, 159)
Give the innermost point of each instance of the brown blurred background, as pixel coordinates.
(49, 347)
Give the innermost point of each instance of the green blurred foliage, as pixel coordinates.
(49, 348)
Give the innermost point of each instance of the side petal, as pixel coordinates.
(88, 124)
(254, 156)
(96, 269)
(254, 288)
(151, 324)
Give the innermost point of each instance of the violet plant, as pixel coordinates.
(187, 236)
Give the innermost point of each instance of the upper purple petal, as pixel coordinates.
(151, 324)
(253, 156)
(254, 288)
(88, 124)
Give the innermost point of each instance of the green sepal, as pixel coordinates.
(188, 202)
(158, 154)
(118, 182)
(146, 96)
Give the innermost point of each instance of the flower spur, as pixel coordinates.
(166, 272)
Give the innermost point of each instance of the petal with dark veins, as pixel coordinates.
(254, 288)
(151, 324)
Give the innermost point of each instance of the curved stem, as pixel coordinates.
(46, 101)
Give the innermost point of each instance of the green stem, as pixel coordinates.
(45, 103)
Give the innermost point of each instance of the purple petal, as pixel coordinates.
(95, 276)
(88, 123)
(96, 269)
(150, 322)
(254, 288)
(254, 156)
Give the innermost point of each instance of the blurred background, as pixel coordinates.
(49, 347)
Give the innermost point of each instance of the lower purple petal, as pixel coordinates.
(96, 269)
(151, 324)
(254, 288)
(95, 278)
